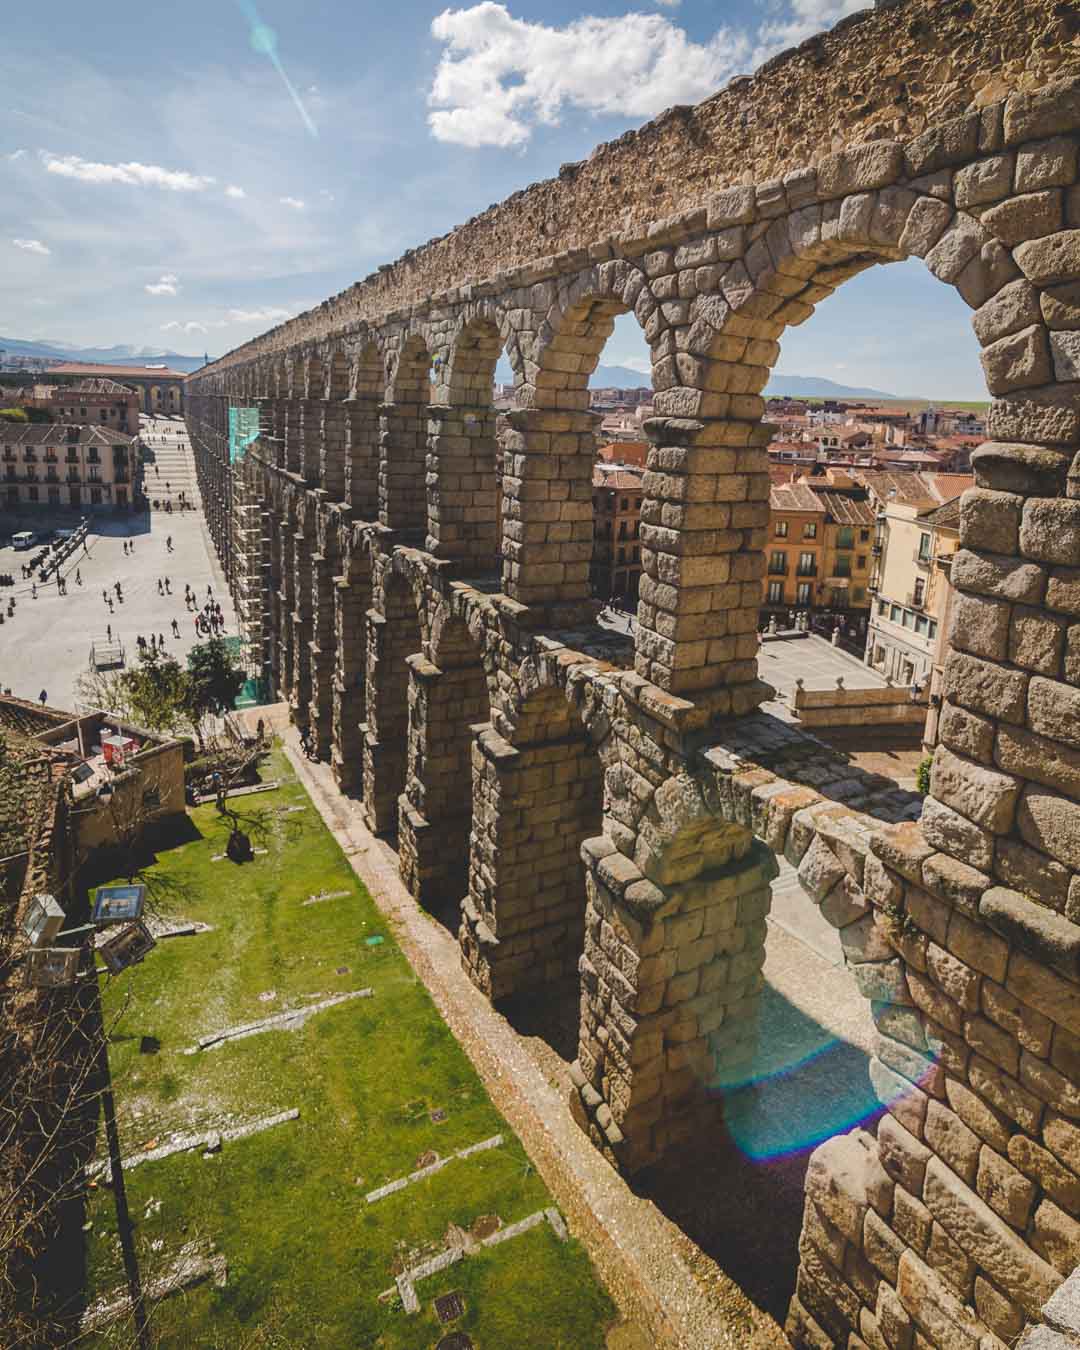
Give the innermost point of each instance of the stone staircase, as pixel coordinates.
(172, 463)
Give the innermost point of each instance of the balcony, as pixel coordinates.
(876, 550)
(806, 571)
(916, 600)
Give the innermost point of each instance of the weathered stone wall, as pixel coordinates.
(625, 797)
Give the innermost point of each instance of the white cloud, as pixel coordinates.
(297, 203)
(268, 314)
(32, 246)
(132, 174)
(168, 284)
(232, 317)
(15, 154)
(499, 75)
(669, 4)
(235, 192)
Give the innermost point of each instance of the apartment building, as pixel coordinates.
(615, 571)
(916, 537)
(819, 555)
(55, 465)
(795, 552)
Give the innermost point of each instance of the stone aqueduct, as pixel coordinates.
(627, 798)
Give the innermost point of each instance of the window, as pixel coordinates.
(32, 494)
(781, 529)
(894, 613)
(622, 555)
(858, 595)
(933, 630)
(908, 618)
(804, 594)
(843, 565)
(776, 592)
(625, 504)
(95, 496)
(864, 536)
(807, 565)
(920, 591)
(778, 563)
(809, 530)
(845, 537)
(54, 496)
(924, 548)
(922, 625)
(860, 562)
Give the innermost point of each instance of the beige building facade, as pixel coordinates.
(66, 466)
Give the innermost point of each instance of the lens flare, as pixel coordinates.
(264, 41)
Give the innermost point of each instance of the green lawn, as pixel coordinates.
(307, 1255)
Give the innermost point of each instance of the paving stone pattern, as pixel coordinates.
(582, 800)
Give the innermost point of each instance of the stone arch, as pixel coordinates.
(361, 411)
(403, 438)
(394, 636)
(338, 374)
(463, 488)
(448, 705)
(547, 541)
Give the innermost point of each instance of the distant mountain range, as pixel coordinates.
(780, 386)
(121, 355)
(814, 386)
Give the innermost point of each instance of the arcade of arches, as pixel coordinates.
(627, 798)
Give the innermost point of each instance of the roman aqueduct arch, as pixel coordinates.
(627, 798)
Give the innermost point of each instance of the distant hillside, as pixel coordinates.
(814, 386)
(121, 355)
(603, 377)
(780, 386)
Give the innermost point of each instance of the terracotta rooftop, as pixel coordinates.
(795, 497)
(112, 372)
(57, 433)
(845, 509)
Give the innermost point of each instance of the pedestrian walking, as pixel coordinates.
(168, 588)
(105, 596)
(161, 641)
(44, 698)
(33, 592)
(108, 631)
(175, 629)
(78, 577)
(160, 587)
(108, 601)
(168, 540)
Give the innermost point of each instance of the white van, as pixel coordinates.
(24, 540)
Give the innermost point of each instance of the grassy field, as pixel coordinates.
(308, 1256)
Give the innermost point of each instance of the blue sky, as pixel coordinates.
(188, 176)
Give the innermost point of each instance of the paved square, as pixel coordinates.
(46, 645)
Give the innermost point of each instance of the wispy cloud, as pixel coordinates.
(132, 174)
(192, 326)
(32, 246)
(268, 314)
(168, 284)
(296, 203)
(235, 192)
(15, 154)
(231, 318)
